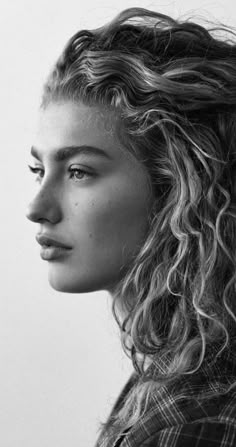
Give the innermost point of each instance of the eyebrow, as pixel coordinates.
(64, 153)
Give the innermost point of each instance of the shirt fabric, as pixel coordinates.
(198, 410)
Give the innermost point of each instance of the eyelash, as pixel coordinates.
(36, 171)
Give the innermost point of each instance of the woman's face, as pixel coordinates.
(102, 211)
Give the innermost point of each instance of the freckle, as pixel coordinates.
(90, 235)
(76, 204)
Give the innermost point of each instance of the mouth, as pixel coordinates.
(51, 252)
(48, 241)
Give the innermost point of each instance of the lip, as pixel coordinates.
(46, 240)
(52, 252)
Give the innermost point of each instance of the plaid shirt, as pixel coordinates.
(198, 410)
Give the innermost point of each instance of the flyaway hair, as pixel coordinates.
(172, 84)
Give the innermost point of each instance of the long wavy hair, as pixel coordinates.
(173, 85)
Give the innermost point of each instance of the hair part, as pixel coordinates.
(173, 87)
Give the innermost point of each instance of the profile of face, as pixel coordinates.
(96, 202)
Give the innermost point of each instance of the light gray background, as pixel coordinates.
(61, 363)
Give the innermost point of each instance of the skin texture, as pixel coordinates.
(104, 217)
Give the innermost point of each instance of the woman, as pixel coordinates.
(135, 161)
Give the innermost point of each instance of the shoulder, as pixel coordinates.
(207, 433)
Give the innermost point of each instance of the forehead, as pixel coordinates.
(72, 112)
(72, 123)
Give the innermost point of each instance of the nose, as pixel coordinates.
(44, 206)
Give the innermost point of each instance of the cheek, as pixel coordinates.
(117, 220)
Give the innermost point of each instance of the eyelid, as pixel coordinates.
(33, 168)
(79, 166)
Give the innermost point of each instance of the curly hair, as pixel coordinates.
(173, 85)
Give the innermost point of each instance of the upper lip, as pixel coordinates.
(43, 239)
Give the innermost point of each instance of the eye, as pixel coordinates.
(78, 170)
(73, 171)
(35, 170)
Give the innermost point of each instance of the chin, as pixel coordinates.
(64, 288)
(65, 285)
(83, 281)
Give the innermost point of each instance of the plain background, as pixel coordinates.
(61, 362)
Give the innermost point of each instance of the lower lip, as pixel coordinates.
(50, 253)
